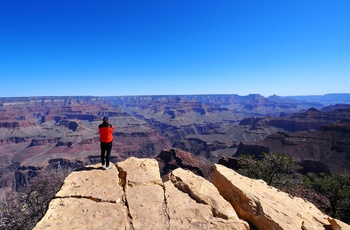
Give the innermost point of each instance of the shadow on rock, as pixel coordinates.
(88, 168)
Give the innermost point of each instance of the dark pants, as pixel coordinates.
(106, 149)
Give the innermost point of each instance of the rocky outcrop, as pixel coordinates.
(90, 198)
(202, 191)
(266, 207)
(144, 193)
(177, 158)
(132, 195)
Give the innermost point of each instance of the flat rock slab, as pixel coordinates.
(90, 198)
(135, 172)
(146, 207)
(93, 182)
(76, 214)
(144, 193)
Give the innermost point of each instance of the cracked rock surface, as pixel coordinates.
(144, 193)
(90, 198)
(133, 196)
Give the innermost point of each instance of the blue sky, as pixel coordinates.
(147, 47)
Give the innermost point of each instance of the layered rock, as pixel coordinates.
(36, 130)
(253, 104)
(328, 146)
(303, 121)
(132, 195)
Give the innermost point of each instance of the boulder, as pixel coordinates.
(203, 192)
(195, 203)
(265, 207)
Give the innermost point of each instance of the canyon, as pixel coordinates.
(39, 133)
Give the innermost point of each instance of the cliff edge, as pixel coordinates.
(132, 195)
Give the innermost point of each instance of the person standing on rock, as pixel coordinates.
(106, 137)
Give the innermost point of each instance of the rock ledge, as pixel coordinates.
(132, 196)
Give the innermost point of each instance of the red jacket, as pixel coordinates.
(106, 131)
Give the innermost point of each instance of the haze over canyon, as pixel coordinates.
(41, 132)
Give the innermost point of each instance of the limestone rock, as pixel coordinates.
(268, 208)
(137, 172)
(92, 182)
(144, 193)
(132, 196)
(186, 213)
(202, 191)
(72, 213)
(90, 198)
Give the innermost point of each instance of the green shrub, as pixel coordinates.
(275, 169)
(281, 171)
(336, 188)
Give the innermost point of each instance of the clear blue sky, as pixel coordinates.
(148, 47)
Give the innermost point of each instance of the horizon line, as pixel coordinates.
(159, 95)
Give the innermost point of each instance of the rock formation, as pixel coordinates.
(265, 207)
(176, 158)
(329, 146)
(303, 121)
(132, 195)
